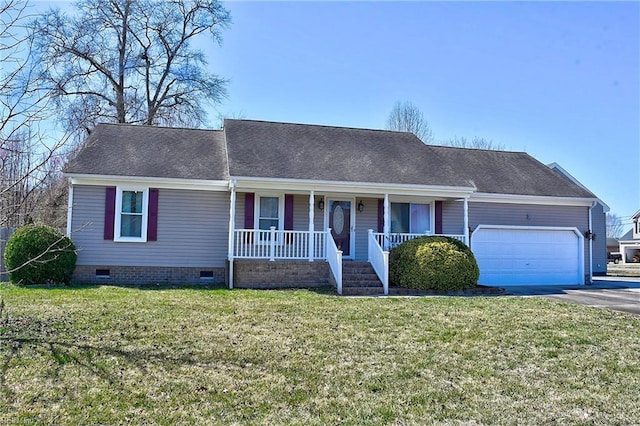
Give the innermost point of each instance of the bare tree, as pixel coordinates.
(236, 115)
(406, 117)
(615, 227)
(130, 61)
(475, 143)
(27, 145)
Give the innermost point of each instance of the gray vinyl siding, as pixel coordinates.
(366, 220)
(192, 230)
(527, 215)
(300, 212)
(240, 210)
(318, 217)
(531, 215)
(599, 228)
(511, 214)
(453, 217)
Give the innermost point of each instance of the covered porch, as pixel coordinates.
(333, 223)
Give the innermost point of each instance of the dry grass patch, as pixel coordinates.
(182, 356)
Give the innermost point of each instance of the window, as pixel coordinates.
(410, 218)
(269, 212)
(131, 214)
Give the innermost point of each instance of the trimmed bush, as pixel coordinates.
(433, 263)
(39, 255)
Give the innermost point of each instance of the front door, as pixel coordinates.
(340, 224)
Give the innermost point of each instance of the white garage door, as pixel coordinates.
(528, 255)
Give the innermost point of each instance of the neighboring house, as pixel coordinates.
(276, 204)
(613, 245)
(630, 242)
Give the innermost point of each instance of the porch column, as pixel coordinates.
(466, 221)
(311, 228)
(386, 229)
(232, 227)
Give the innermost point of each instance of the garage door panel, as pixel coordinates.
(520, 256)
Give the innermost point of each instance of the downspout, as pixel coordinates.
(232, 227)
(593, 204)
(69, 208)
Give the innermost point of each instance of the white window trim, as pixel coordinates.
(118, 214)
(432, 212)
(256, 215)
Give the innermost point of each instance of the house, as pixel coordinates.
(262, 204)
(630, 242)
(613, 245)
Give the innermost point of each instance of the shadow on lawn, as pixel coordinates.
(25, 339)
(89, 358)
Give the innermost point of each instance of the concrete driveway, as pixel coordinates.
(617, 293)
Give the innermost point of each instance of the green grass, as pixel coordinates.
(107, 355)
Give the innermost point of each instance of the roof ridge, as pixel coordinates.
(327, 126)
(506, 151)
(154, 126)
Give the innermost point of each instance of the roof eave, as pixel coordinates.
(483, 197)
(569, 176)
(156, 182)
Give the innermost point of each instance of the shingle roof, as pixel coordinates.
(150, 151)
(300, 151)
(506, 172)
(267, 150)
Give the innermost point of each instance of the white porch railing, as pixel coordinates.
(379, 260)
(395, 239)
(273, 244)
(334, 258)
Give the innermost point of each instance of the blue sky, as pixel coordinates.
(559, 80)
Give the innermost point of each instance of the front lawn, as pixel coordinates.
(108, 355)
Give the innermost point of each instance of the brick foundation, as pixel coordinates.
(280, 274)
(146, 275)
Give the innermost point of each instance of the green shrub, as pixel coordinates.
(39, 255)
(433, 263)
